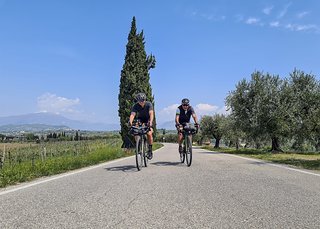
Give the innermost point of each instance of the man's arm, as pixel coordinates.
(151, 114)
(132, 115)
(195, 118)
(177, 120)
(177, 116)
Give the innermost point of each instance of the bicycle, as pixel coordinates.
(140, 130)
(187, 130)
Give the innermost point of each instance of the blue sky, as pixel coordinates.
(65, 56)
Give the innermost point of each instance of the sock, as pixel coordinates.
(150, 147)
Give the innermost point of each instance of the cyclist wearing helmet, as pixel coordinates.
(183, 115)
(144, 111)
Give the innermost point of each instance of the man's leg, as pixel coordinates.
(150, 141)
(180, 137)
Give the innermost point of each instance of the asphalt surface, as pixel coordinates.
(217, 191)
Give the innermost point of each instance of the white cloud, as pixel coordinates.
(302, 14)
(284, 11)
(267, 10)
(202, 109)
(212, 17)
(170, 109)
(55, 104)
(168, 113)
(274, 24)
(253, 21)
(297, 27)
(206, 107)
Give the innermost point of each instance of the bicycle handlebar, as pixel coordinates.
(139, 130)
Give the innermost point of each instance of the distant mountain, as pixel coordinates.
(55, 120)
(32, 128)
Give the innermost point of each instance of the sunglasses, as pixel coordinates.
(185, 105)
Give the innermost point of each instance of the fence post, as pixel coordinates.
(32, 159)
(4, 154)
(0, 161)
(45, 153)
(41, 154)
(9, 155)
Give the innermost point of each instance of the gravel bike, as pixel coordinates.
(187, 130)
(140, 130)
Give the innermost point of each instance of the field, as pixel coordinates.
(20, 162)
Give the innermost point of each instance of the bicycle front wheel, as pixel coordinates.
(189, 150)
(139, 152)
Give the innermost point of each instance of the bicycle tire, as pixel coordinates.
(145, 150)
(139, 158)
(189, 151)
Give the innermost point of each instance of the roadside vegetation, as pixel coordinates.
(26, 161)
(272, 119)
(298, 159)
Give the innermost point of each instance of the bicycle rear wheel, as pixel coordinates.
(189, 150)
(145, 152)
(139, 158)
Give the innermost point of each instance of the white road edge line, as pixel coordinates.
(64, 175)
(272, 164)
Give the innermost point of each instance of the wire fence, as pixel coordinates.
(11, 155)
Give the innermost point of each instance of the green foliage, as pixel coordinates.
(31, 137)
(232, 133)
(304, 93)
(27, 166)
(302, 160)
(213, 126)
(277, 109)
(134, 79)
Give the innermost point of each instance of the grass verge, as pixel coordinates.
(28, 170)
(301, 160)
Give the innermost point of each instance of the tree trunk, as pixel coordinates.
(275, 145)
(201, 141)
(318, 145)
(217, 143)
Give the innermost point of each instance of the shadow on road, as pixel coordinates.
(208, 152)
(123, 168)
(166, 163)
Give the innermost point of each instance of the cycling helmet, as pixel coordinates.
(141, 97)
(185, 101)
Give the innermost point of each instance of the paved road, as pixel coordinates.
(217, 191)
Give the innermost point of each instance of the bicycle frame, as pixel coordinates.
(140, 132)
(186, 155)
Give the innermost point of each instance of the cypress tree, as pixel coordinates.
(134, 79)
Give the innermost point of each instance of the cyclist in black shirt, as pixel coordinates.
(143, 110)
(183, 115)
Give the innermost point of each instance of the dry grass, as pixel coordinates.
(15, 145)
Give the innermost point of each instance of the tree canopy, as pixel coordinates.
(134, 79)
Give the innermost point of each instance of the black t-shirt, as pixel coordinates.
(184, 116)
(142, 113)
